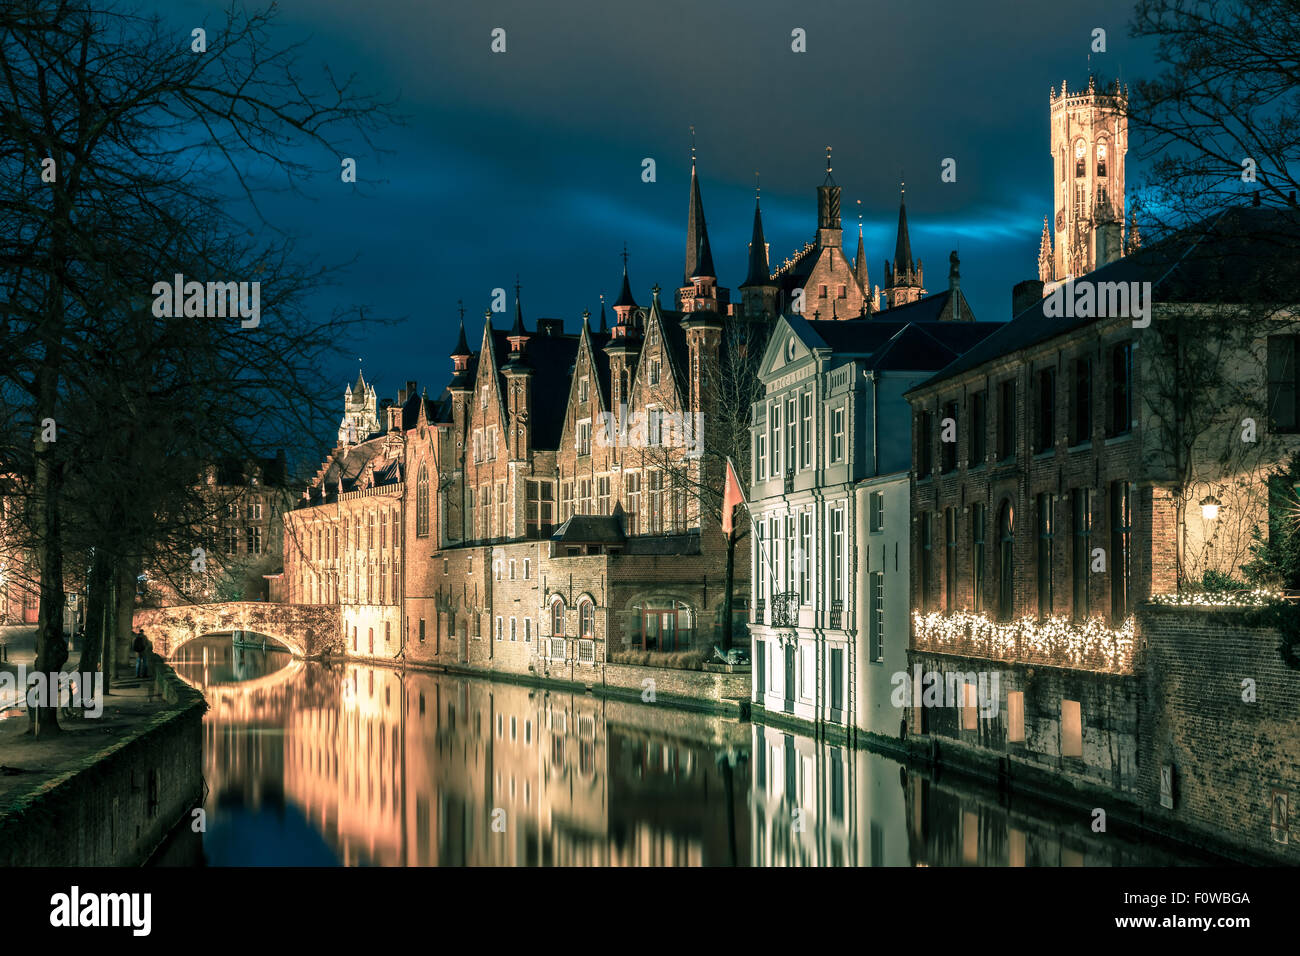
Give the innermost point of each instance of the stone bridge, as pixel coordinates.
(308, 630)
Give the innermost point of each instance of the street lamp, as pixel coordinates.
(1210, 507)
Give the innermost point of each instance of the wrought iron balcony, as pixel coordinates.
(837, 613)
(789, 480)
(785, 609)
(760, 607)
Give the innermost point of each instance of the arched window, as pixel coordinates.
(586, 619)
(422, 503)
(1080, 153)
(1006, 562)
(557, 618)
(1101, 158)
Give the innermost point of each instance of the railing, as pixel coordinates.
(837, 613)
(789, 480)
(760, 608)
(785, 609)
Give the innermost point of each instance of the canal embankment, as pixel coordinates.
(107, 790)
(719, 689)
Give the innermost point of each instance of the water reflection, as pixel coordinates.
(311, 764)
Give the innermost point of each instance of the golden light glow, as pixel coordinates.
(1255, 598)
(1088, 645)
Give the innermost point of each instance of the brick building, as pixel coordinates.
(239, 527)
(550, 510)
(1111, 443)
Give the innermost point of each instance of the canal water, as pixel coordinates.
(348, 764)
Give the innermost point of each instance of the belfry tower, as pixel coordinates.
(1089, 140)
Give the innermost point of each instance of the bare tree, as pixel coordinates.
(115, 129)
(730, 387)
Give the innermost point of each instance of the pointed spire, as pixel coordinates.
(759, 273)
(1134, 237)
(828, 209)
(699, 257)
(462, 346)
(903, 247)
(625, 294)
(1046, 270)
(360, 387)
(518, 331)
(860, 264)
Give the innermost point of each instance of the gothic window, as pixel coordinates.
(586, 619)
(422, 503)
(1101, 158)
(557, 618)
(1006, 563)
(1080, 154)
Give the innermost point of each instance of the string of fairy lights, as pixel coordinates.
(1092, 643)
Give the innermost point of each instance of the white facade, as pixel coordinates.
(882, 595)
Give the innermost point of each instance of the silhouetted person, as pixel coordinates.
(139, 645)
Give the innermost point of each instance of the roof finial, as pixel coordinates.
(624, 256)
(828, 159)
(460, 305)
(902, 187)
(516, 285)
(758, 190)
(692, 147)
(859, 217)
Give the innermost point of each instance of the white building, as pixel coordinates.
(831, 439)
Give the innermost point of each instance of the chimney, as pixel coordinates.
(1025, 294)
(1108, 249)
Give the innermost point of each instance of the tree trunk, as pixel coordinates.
(96, 634)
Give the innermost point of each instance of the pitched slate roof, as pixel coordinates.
(1246, 255)
(590, 529)
(887, 344)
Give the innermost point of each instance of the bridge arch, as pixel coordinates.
(307, 630)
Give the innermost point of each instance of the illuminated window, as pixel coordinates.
(1016, 716)
(1071, 729)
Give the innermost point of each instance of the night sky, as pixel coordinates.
(529, 162)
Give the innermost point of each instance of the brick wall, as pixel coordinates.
(1109, 708)
(1230, 757)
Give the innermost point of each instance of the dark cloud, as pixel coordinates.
(529, 162)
